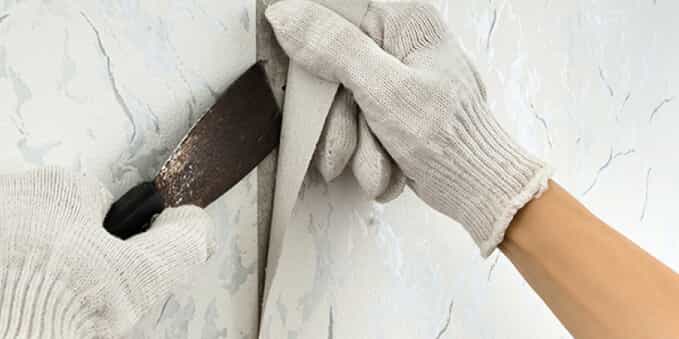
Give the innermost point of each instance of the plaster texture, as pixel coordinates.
(591, 86)
(109, 88)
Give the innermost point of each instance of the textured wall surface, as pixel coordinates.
(109, 88)
(590, 86)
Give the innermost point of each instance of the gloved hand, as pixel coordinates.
(347, 141)
(425, 103)
(63, 276)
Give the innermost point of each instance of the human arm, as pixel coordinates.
(425, 103)
(597, 282)
(63, 276)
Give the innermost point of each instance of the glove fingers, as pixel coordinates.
(179, 239)
(331, 47)
(339, 138)
(371, 164)
(182, 236)
(396, 186)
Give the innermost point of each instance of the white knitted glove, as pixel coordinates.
(63, 276)
(347, 141)
(426, 104)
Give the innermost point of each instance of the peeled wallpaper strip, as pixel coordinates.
(307, 103)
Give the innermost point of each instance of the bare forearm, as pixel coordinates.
(596, 281)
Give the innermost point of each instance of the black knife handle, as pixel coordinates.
(132, 213)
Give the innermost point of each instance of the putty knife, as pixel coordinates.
(228, 142)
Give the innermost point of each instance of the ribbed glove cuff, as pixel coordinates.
(495, 178)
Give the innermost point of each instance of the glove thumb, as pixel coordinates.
(326, 44)
(178, 240)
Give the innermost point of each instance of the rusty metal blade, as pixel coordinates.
(226, 144)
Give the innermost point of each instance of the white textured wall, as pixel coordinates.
(588, 85)
(108, 88)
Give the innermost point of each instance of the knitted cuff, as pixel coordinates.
(496, 178)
